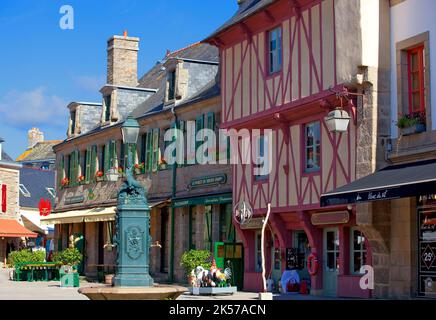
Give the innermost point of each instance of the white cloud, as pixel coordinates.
(34, 107)
(90, 83)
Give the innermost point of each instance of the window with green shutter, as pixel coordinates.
(93, 163)
(61, 169)
(113, 154)
(156, 150)
(143, 152)
(199, 125)
(107, 158)
(88, 164)
(211, 126)
(149, 152)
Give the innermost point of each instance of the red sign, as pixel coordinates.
(44, 207)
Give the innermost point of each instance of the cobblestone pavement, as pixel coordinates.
(40, 290)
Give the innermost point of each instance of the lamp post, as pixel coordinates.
(132, 222)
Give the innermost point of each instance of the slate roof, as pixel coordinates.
(156, 77)
(245, 10)
(40, 151)
(6, 157)
(36, 181)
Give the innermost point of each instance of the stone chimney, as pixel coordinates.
(33, 137)
(122, 60)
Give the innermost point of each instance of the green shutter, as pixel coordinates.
(149, 152)
(211, 121)
(143, 148)
(125, 157)
(93, 163)
(106, 164)
(199, 125)
(156, 159)
(88, 165)
(77, 165)
(113, 154)
(182, 129)
(61, 171)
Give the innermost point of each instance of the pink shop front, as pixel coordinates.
(339, 248)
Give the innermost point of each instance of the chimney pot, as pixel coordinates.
(125, 33)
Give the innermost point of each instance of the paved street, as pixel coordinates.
(12, 290)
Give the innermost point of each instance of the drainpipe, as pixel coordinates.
(173, 195)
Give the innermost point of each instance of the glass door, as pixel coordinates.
(331, 261)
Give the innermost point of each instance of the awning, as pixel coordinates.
(13, 229)
(32, 226)
(78, 216)
(159, 204)
(392, 182)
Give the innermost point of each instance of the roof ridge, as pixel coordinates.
(185, 48)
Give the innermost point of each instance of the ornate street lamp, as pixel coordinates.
(338, 119)
(132, 222)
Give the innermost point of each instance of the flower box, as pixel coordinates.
(417, 128)
(212, 290)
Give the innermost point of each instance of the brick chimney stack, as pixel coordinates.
(34, 136)
(122, 60)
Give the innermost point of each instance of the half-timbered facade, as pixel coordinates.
(285, 65)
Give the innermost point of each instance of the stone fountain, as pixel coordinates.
(132, 280)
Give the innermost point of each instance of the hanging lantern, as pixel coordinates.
(337, 120)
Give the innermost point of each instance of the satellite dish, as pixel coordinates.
(243, 212)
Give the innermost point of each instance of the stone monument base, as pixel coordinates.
(156, 292)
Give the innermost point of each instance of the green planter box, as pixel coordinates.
(70, 279)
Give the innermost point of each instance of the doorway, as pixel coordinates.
(331, 261)
(164, 240)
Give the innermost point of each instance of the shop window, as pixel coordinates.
(416, 70)
(192, 227)
(358, 251)
(312, 146)
(207, 236)
(227, 229)
(258, 254)
(275, 50)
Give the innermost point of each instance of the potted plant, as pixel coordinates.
(195, 258)
(411, 123)
(69, 259)
(65, 182)
(99, 175)
(121, 171)
(112, 174)
(139, 167)
(81, 179)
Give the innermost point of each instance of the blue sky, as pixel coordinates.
(43, 68)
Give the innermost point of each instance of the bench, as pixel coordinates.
(36, 271)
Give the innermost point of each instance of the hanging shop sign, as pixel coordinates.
(74, 199)
(254, 223)
(208, 181)
(325, 218)
(218, 199)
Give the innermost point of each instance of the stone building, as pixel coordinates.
(11, 229)
(395, 205)
(285, 66)
(39, 153)
(183, 87)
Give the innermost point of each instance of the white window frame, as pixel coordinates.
(52, 192)
(24, 190)
(362, 251)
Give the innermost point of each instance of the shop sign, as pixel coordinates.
(427, 247)
(74, 199)
(226, 198)
(330, 218)
(374, 195)
(208, 181)
(254, 223)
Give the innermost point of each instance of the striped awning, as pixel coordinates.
(77, 216)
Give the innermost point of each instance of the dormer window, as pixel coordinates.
(107, 108)
(73, 121)
(171, 85)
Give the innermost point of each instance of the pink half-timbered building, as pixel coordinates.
(282, 64)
